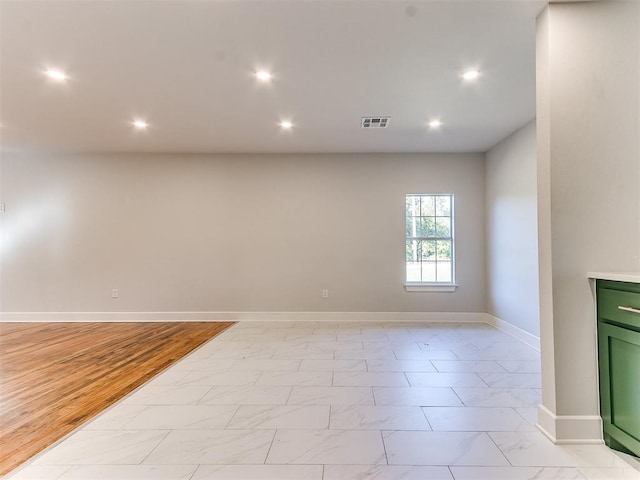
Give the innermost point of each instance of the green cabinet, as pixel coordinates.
(619, 363)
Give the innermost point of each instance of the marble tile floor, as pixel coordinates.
(332, 401)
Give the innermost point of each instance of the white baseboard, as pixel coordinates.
(570, 429)
(445, 317)
(516, 332)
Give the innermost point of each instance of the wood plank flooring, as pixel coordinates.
(56, 376)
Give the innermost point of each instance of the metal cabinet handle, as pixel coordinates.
(629, 309)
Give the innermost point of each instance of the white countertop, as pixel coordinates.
(633, 277)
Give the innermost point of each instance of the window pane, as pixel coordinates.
(427, 206)
(413, 226)
(413, 205)
(444, 272)
(413, 251)
(443, 206)
(428, 250)
(429, 272)
(413, 272)
(427, 227)
(442, 227)
(444, 250)
(412, 214)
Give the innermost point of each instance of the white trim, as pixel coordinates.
(570, 429)
(444, 317)
(430, 287)
(633, 277)
(514, 331)
(451, 238)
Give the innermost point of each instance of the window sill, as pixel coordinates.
(430, 287)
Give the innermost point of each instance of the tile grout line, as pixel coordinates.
(499, 449)
(456, 394)
(384, 446)
(433, 365)
(427, 417)
(124, 426)
(232, 417)
(156, 446)
(451, 472)
(407, 379)
(194, 471)
(286, 402)
(482, 379)
(255, 382)
(273, 439)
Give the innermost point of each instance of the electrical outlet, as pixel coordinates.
(1, 207)
(325, 293)
(114, 293)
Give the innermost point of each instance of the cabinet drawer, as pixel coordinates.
(618, 306)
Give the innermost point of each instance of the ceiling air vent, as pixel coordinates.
(375, 122)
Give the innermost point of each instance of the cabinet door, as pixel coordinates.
(619, 363)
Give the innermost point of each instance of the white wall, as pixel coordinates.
(229, 233)
(512, 230)
(589, 177)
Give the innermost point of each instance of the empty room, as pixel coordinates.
(319, 240)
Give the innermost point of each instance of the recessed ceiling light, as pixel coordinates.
(56, 75)
(263, 75)
(286, 125)
(435, 124)
(471, 74)
(140, 124)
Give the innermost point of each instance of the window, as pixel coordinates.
(429, 233)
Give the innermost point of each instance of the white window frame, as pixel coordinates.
(434, 286)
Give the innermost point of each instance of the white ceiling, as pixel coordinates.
(186, 67)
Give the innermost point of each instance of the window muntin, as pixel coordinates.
(429, 239)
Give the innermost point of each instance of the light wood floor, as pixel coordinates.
(56, 376)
